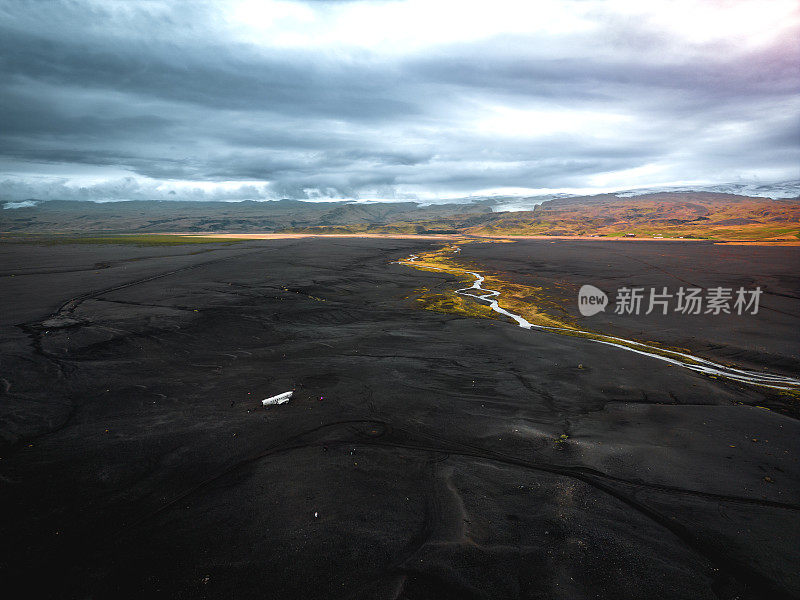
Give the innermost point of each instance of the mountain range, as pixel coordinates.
(688, 214)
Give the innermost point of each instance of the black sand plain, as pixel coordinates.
(422, 455)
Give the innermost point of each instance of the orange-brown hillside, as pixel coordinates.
(682, 214)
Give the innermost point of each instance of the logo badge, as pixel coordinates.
(591, 300)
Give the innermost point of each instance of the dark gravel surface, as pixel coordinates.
(768, 340)
(418, 458)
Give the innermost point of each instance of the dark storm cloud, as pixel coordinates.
(165, 92)
(216, 78)
(35, 115)
(763, 74)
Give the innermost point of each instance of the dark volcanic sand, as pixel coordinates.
(768, 340)
(138, 461)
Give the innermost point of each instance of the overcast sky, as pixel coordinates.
(377, 100)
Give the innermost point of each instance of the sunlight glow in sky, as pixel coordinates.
(395, 26)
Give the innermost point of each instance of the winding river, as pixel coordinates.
(680, 359)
